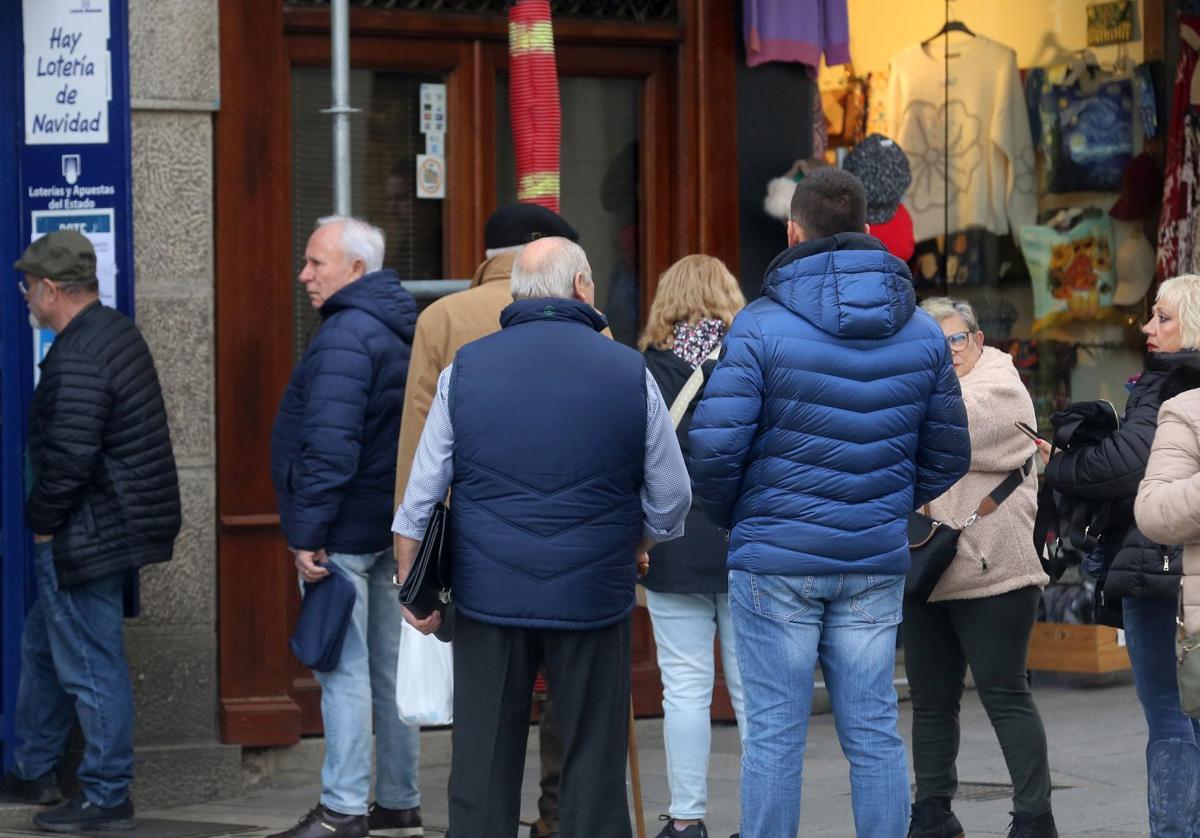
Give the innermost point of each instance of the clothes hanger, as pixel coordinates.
(948, 27)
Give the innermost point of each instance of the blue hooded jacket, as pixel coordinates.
(333, 447)
(834, 412)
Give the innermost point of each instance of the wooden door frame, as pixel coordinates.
(258, 42)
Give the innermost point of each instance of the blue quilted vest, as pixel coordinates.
(549, 424)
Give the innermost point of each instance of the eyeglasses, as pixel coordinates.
(959, 340)
(23, 287)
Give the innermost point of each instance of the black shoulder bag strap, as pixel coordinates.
(998, 495)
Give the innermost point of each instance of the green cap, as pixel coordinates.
(64, 256)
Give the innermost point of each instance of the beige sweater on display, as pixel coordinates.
(995, 399)
(1168, 501)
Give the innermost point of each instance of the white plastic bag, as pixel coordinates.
(424, 679)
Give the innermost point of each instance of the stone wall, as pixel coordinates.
(174, 81)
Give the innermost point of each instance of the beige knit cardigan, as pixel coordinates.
(1168, 500)
(995, 554)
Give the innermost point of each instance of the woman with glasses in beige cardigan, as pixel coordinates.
(981, 613)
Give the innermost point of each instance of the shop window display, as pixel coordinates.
(1029, 196)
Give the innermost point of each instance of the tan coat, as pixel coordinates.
(443, 328)
(995, 399)
(1168, 500)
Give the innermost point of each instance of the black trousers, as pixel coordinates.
(588, 673)
(992, 636)
(550, 752)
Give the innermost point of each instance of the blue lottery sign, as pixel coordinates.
(75, 150)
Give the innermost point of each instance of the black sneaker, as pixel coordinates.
(932, 818)
(40, 792)
(82, 815)
(696, 830)
(1032, 826)
(398, 823)
(326, 823)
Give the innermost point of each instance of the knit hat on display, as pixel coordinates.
(897, 234)
(518, 224)
(882, 166)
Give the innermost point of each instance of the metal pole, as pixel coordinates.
(341, 110)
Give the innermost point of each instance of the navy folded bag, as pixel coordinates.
(324, 617)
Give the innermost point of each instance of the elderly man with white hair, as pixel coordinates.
(564, 467)
(333, 460)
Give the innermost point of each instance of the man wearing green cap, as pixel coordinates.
(104, 502)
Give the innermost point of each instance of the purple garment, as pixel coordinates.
(796, 30)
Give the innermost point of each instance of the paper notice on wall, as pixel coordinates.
(98, 225)
(1120, 637)
(67, 71)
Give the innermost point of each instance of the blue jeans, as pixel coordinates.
(73, 662)
(362, 690)
(784, 626)
(1172, 760)
(684, 626)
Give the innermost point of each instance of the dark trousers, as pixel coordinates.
(550, 753)
(588, 673)
(991, 635)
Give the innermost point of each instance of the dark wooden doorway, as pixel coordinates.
(685, 203)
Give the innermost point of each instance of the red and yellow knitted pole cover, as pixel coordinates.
(533, 102)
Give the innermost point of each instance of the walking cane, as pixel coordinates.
(635, 776)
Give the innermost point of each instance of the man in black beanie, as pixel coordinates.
(445, 327)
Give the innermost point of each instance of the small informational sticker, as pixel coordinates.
(431, 176)
(1120, 637)
(433, 109)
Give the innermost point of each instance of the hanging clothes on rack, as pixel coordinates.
(987, 179)
(796, 30)
(1181, 180)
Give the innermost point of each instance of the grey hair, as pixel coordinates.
(359, 239)
(496, 251)
(939, 308)
(550, 271)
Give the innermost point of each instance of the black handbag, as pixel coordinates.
(933, 544)
(1072, 526)
(427, 587)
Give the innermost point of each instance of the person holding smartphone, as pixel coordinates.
(982, 612)
(1140, 573)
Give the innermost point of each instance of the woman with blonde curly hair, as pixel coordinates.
(686, 588)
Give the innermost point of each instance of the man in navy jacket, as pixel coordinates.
(565, 468)
(333, 463)
(834, 412)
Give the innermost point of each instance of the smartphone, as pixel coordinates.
(1028, 431)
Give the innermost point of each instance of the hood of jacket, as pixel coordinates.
(847, 285)
(1181, 379)
(380, 295)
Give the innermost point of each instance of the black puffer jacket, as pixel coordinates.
(104, 481)
(1111, 472)
(695, 562)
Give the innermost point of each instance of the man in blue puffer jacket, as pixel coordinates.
(333, 463)
(834, 412)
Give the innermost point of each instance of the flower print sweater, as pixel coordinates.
(991, 161)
